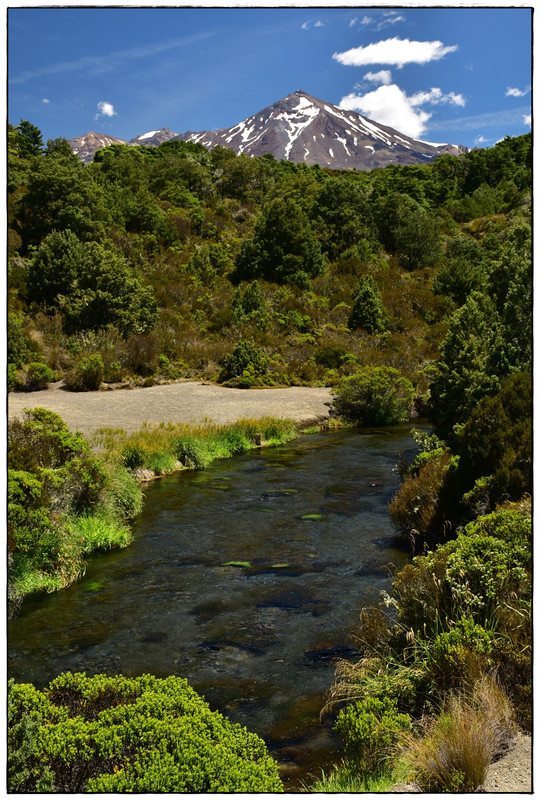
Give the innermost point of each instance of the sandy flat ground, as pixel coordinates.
(177, 402)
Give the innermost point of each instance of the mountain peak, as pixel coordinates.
(299, 128)
(302, 128)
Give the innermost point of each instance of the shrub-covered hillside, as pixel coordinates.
(155, 264)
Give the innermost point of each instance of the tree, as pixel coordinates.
(407, 229)
(340, 216)
(467, 368)
(463, 271)
(496, 442)
(374, 396)
(283, 249)
(91, 284)
(29, 140)
(367, 311)
(61, 194)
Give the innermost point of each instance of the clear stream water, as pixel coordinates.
(256, 638)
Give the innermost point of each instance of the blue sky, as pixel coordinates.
(459, 75)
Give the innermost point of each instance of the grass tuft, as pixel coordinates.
(457, 747)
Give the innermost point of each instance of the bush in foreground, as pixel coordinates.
(145, 734)
(459, 745)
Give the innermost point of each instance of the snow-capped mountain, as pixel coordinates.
(301, 128)
(298, 128)
(154, 138)
(85, 146)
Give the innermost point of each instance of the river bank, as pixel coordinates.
(195, 403)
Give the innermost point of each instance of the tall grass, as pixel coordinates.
(345, 779)
(457, 747)
(169, 446)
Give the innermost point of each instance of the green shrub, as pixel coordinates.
(118, 734)
(370, 729)
(37, 376)
(192, 452)
(367, 310)
(86, 376)
(374, 396)
(246, 357)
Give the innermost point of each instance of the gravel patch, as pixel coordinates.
(177, 402)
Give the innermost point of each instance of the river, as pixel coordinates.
(246, 578)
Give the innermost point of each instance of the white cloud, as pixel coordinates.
(391, 106)
(436, 96)
(394, 51)
(45, 100)
(366, 20)
(517, 92)
(105, 109)
(527, 119)
(306, 25)
(481, 140)
(353, 22)
(383, 76)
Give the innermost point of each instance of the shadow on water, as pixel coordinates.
(247, 579)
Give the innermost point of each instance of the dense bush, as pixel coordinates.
(374, 396)
(244, 365)
(370, 730)
(36, 376)
(86, 375)
(63, 502)
(118, 734)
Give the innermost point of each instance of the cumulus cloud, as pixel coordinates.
(383, 76)
(395, 51)
(391, 106)
(436, 96)
(482, 140)
(527, 120)
(105, 109)
(45, 100)
(517, 92)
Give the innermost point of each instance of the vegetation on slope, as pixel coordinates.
(156, 264)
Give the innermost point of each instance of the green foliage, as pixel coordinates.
(284, 248)
(22, 745)
(463, 271)
(62, 503)
(374, 396)
(90, 284)
(244, 364)
(118, 734)
(367, 311)
(18, 350)
(467, 368)
(407, 229)
(370, 729)
(37, 376)
(248, 302)
(86, 376)
(496, 442)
